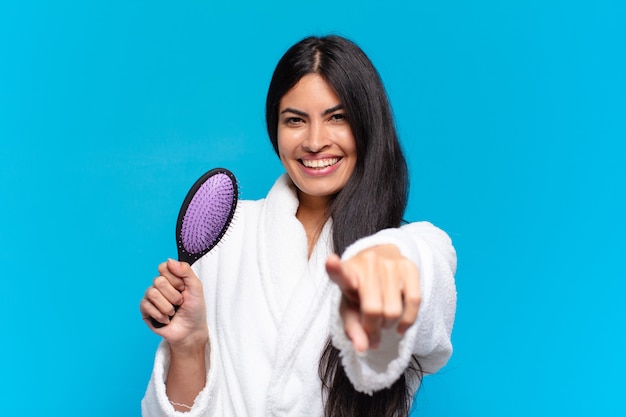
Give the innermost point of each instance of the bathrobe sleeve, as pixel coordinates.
(156, 403)
(429, 337)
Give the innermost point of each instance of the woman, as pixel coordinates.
(250, 336)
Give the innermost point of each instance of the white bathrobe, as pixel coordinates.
(270, 311)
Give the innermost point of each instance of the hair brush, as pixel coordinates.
(205, 216)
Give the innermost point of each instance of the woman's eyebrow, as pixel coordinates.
(333, 109)
(304, 114)
(294, 111)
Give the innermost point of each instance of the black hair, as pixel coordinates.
(374, 198)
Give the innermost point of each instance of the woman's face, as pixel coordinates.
(315, 141)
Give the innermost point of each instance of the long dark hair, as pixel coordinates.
(374, 198)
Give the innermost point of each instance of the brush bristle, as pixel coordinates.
(208, 214)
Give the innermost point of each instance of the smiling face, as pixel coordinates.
(315, 141)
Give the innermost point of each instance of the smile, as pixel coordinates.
(319, 163)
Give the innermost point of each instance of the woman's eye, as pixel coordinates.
(291, 121)
(338, 117)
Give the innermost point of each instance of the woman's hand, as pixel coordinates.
(380, 289)
(176, 285)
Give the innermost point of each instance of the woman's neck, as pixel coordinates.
(312, 213)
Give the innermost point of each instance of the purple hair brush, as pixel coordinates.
(205, 216)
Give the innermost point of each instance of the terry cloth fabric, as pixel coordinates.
(270, 311)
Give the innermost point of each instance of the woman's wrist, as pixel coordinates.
(192, 346)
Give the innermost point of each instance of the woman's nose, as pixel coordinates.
(317, 138)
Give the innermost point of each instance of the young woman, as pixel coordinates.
(318, 302)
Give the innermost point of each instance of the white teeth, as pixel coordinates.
(319, 163)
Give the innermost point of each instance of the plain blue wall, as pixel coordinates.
(513, 116)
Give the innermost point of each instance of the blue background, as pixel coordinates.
(513, 117)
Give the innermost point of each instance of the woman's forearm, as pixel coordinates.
(187, 375)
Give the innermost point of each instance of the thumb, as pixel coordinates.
(183, 271)
(333, 268)
(180, 269)
(338, 274)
